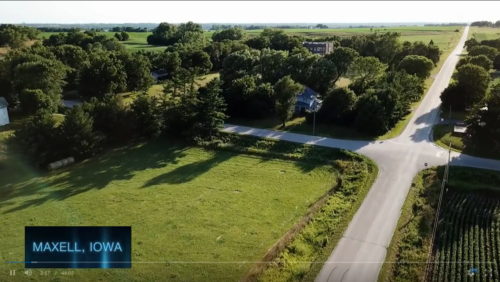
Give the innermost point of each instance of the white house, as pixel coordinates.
(4, 114)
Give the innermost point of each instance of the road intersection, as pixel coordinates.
(361, 251)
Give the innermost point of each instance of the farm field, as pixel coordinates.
(469, 238)
(441, 35)
(468, 235)
(484, 33)
(204, 214)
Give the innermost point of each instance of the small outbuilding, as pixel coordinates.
(4, 112)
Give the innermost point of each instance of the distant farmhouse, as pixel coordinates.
(4, 114)
(307, 101)
(321, 48)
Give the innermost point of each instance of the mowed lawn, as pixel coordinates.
(196, 215)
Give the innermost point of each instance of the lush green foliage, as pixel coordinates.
(417, 65)
(34, 100)
(470, 86)
(339, 106)
(104, 75)
(488, 51)
(168, 34)
(122, 36)
(15, 35)
(234, 33)
(484, 124)
(275, 39)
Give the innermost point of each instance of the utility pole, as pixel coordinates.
(430, 256)
(314, 122)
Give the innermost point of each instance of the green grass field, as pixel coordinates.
(484, 33)
(203, 215)
(468, 233)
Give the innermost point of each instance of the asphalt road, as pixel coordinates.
(360, 253)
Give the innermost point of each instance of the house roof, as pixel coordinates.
(3, 102)
(459, 129)
(308, 94)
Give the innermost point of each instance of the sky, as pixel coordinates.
(246, 11)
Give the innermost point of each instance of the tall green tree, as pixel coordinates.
(342, 57)
(417, 65)
(286, 91)
(484, 124)
(105, 74)
(234, 33)
(44, 74)
(470, 87)
(77, 132)
(366, 69)
(34, 100)
(138, 71)
(338, 106)
(148, 113)
(210, 111)
(39, 138)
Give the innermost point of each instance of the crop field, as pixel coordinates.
(468, 238)
(466, 246)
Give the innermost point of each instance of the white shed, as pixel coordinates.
(4, 114)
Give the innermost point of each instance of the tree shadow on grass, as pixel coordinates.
(96, 173)
(190, 171)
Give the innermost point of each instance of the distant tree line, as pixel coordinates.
(129, 29)
(486, 23)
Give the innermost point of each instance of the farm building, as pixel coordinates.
(321, 48)
(4, 113)
(307, 101)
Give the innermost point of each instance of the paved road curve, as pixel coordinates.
(361, 251)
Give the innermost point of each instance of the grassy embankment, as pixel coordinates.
(202, 214)
(466, 234)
